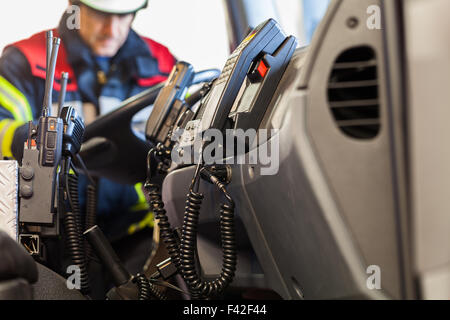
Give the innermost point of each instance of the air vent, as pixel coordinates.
(353, 93)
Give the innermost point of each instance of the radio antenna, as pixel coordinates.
(49, 36)
(49, 77)
(62, 92)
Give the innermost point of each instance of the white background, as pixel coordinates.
(194, 30)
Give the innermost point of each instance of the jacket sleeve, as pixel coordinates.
(18, 94)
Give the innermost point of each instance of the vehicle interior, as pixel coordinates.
(338, 191)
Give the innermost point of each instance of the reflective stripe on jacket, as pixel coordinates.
(139, 64)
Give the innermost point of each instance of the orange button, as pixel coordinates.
(262, 69)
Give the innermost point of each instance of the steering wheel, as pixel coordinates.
(112, 149)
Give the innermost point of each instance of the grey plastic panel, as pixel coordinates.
(360, 173)
(296, 214)
(15, 289)
(336, 205)
(428, 53)
(294, 233)
(8, 197)
(51, 286)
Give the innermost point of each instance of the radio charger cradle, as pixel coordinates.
(259, 86)
(166, 110)
(256, 65)
(170, 112)
(239, 98)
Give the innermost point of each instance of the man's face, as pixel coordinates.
(104, 33)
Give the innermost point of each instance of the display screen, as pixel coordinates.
(210, 107)
(245, 102)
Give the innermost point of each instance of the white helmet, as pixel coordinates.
(116, 6)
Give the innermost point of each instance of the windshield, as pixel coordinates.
(301, 17)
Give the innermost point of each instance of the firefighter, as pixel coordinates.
(107, 62)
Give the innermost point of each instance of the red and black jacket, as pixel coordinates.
(139, 64)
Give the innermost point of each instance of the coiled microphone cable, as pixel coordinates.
(191, 274)
(157, 205)
(184, 255)
(73, 227)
